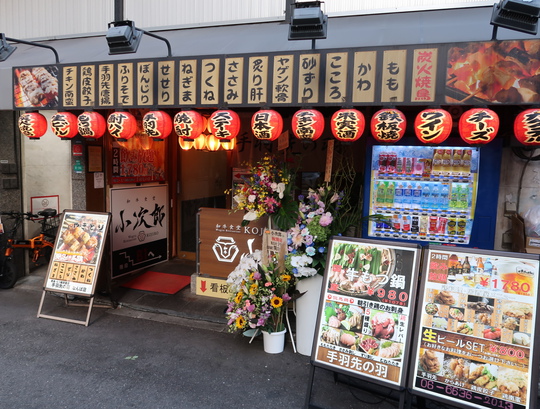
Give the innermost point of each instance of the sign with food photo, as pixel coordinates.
(364, 317)
(477, 320)
(35, 87)
(77, 253)
(493, 72)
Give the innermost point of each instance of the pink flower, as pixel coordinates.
(326, 219)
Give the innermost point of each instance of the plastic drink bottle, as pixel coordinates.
(426, 196)
(456, 161)
(407, 197)
(417, 197)
(381, 195)
(434, 202)
(464, 197)
(398, 196)
(454, 196)
(444, 197)
(446, 162)
(390, 194)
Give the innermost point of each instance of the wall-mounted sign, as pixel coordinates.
(139, 227)
(223, 240)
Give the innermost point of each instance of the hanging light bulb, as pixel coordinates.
(212, 143)
(228, 145)
(200, 142)
(185, 144)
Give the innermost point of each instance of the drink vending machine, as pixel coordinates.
(426, 193)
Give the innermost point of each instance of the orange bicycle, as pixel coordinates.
(40, 246)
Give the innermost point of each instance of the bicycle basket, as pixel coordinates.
(50, 225)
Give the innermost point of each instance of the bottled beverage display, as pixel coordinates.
(424, 193)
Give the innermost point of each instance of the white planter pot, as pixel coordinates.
(306, 312)
(274, 342)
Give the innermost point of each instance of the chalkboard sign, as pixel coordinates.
(365, 314)
(476, 328)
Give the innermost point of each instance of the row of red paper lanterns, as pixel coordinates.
(432, 126)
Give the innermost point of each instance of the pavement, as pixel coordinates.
(187, 309)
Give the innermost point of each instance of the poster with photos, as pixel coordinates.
(366, 308)
(78, 251)
(476, 327)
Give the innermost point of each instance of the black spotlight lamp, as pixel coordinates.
(123, 38)
(308, 22)
(7, 49)
(518, 15)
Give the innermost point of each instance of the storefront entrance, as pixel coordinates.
(202, 180)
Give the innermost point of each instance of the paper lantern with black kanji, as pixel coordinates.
(122, 125)
(478, 126)
(388, 125)
(91, 125)
(64, 125)
(32, 125)
(433, 126)
(347, 125)
(189, 124)
(527, 127)
(224, 124)
(307, 124)
(266, 124)
(157, 124)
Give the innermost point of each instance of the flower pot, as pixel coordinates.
(306, 312)
(274, 342)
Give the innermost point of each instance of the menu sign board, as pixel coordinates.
(365, 313)
(477, 324)
(77, 253)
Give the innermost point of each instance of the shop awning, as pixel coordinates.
(424, 27)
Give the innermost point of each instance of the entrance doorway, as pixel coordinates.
(202, 181)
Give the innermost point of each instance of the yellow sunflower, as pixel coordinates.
(253, 289)
(276, 301)
(239, 297)
(286, 277)
(240, 322)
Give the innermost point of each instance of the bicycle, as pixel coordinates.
(40, 246)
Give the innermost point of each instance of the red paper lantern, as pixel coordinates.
(189, 124)
(347, 125)
(64, 125)
(157, 124)
(224, 124)
(33, 125)
(91, 125)
(122, 125)
(307, 124)
(266, 124)
(527, 127)
(433, 126)
(478, 126)
(388, 125)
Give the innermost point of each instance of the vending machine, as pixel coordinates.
(433, 194)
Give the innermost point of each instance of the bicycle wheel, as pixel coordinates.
(8, 274)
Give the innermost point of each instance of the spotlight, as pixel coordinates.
(123, 38)
(518, 15)
(308, 22)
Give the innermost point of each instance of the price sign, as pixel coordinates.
(364, 321)
(477, 324)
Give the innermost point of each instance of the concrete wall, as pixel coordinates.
(519, 190)
(46, 168)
